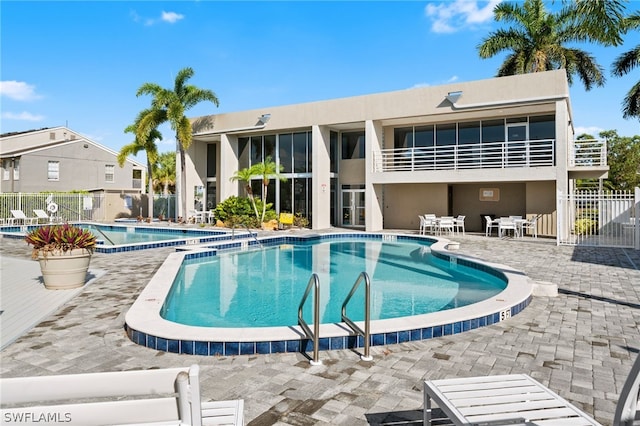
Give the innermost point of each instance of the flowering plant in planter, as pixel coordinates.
(53, 239)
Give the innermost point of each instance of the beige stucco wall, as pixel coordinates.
(467, 202)
(403, 204)
(541, 200)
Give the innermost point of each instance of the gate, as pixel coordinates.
(596, 218)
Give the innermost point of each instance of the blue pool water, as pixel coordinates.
(263, 288)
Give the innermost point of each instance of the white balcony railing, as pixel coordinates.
(534, 153)
(588, 153)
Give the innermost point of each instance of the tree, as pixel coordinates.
(146, 143)
(625, 63)
(538, 39)
(165, 172)
(170, 106)
(245, 175)
(623, 154)
(267, 169)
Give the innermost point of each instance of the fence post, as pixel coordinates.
(560, 218)
(637, 218)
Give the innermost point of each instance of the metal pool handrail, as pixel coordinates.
(366, 333)
(314, 282)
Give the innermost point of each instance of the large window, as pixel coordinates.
(542, 127)
(211, 161)
(352, 145)
(53, 170)
(6, 169)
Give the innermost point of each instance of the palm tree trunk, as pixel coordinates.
(183, 180)
(150, 191)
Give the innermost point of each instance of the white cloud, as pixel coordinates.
(171, 17)
(590, 130)
(451, 79)
(18, 90)
(23, 116)
(449, 17)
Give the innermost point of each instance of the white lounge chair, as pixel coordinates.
(519, 399)
(18, 215)
(42, 215)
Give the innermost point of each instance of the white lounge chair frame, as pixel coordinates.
(142, 397)
(18, 215)
(519, 399)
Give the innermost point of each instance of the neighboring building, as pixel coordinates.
(59, 159)
(502, 146)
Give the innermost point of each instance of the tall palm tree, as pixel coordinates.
(267, 169)
(170, 106)
(146, 143)
(625, 63)
(538, 40)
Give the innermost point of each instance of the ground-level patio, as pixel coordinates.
(580, 344)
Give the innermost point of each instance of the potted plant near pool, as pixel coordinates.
(64, 252)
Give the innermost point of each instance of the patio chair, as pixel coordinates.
(518, 398)
(490, 224)
(18, 215)
(458, 224)
(531, 225)
(446, 223)
(42, 215)
(506, 224)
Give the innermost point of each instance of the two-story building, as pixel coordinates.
(59, 159)
(502, 146)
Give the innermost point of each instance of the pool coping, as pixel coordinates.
(146, 327)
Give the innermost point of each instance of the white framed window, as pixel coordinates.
(6, 169)
(109, 173)
(16, 169)
(53, 170)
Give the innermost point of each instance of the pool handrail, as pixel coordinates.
(314, 282)
(366, 333)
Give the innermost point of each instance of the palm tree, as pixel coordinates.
(245, 175)
(625, 63)
(170, 106)
(165, 173)
(538, 39)
(267, 169)
(147, 143)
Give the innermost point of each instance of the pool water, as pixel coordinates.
(109, 235)
(263, 288)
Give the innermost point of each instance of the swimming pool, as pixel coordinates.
(121, 238)
(263, 287)
(145, 325)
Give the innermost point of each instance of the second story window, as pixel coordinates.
(53, 170)
(6, 169)
(109, 173)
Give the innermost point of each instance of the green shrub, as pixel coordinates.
(238, 211)
(585, 227)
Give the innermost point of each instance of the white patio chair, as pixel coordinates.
(490, 224)
(18, 215)
(446, 223)
(531, 225)
(506, 224)
(458, 223)
(430, 222)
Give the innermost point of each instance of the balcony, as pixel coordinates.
(498, 155)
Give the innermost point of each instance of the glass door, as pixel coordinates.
(353, 208)
(516, 155)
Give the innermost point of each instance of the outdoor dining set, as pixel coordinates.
(515, 226)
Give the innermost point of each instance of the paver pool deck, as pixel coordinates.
(581, 344)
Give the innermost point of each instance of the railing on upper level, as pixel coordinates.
(496, 155)
(588, 153)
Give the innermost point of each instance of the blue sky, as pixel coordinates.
(80, 63)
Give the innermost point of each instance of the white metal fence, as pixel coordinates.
(69, 207)
(595, 218)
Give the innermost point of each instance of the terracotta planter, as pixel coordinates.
(61, 271)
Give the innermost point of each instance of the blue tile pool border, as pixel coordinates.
(233, 348)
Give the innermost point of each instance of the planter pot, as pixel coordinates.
(61, 271)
